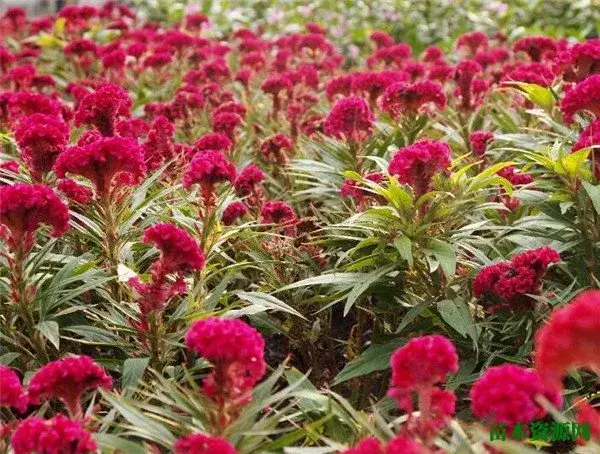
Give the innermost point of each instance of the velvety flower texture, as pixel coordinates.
(506, 394)
(11, 390)
(67, 379)
(101, 160)
(23, 207)
(58, 435)
(516, 178)
(424, 361)
(589, 136)
(507, 284)
(275, 149)
(74, 191)
(208, 168)
(464, 75)
(536, 46)
(473, 41)
(159, 148)
(23, 104)
(178, 250)
(350, 119)
(203, 444)
(213, 141)
(103, 108)
(277, 212)
(41, 139)
(405, 99)
(237, 352)
(570, 339)
(584, 96)
(479, 141)
(248, 180)
(233, 211)
(397, 445)
(416, 164)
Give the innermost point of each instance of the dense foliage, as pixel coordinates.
(218, 239)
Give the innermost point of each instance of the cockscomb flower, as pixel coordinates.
(586, 414)
(23, 104)
(589, 137)
(508, 284)
(41, 139)
(440, 72)
(507, 394)
(581, 61)
(338, 86)
(103, 108)
(237, 352)
(213, 141)
(402, 98)
(381, 39)
(23, 207)
(277, 212)
(584, 96)
(479, 141)
(203, 444)
(208, 168)
(353, 189)
(276, 149)
(492, 56)
(569, 339)
(12, 393)
(537, 47)
(473, 41)
(416, 164)
(233, 212)
(423, 362)
(350, 119)
(103, 159)
(248, 181)
(367, 446)
(136, 128)
(464, 74)
(516, 178)
(74, 191)
(159, 147)
(532, 73)
(56, 435)
(225, 123)
(178, 250)
(68, 379)
(393, 56)
(275, 85)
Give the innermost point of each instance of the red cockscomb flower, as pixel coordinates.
(225, 123)
(23, 207)
(569, 339)
(367, 446)
(67, 379)
(23, 104)
(234, 211)
(74, 191)
(52, 436)
(584, 96)
(203, 444)
(381, 39)
(275, 149)
(277, 212)
(479, 141)
(159, 147)
(473, 41)
(581, 61)
(537, 47)
(506, 394)
(338, 86)
(101, 160)
(41, 139)
(516, 178)
(208, 168)
(11, 390)
(248, 180)
(408, 99)
(464, 74)
(178, 250)
(103, 108)
(213, 141)
(416, 164)
(350, 119)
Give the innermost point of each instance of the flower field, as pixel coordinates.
(270, 234)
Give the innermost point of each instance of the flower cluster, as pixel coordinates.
(351, 119)
(207, 169)
(203, 444)
(402, 99)
(103, 108)
(11, 390)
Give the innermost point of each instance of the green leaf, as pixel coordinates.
(404, 247)
(133, 371)
(445, 254)
(375, 357)
(594, 193)
(265, 302)
(457, 315)
(570, 164)
(540, 96)
(50, 331)
(111, 443)
(359, 289)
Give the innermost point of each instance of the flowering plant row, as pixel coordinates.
(221, 244)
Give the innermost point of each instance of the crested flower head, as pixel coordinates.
(103, 108)
(23, 104)
(11, 390)
(507, 394)
(472, 41)
(416, 164)
(225, 123)
(350, 119)
(277, 212)
(209, 167)
(56, 435)
(248, 180)
(537, 47)
(178, 250)
(584, 96)
(41, 139)
(479, 141)
(275, 149)
(203, 444)
(234, 211)
(74, 191)
(159, 148)
(213, 141)
(24, 207)
(368, 445)
(67, 379)
(101, 159)
(403, 98)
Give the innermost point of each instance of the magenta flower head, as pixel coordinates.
(178, 250)
(203, 444)
(213, 141)
(102, 159)
(472, 41)
(237, 352)
(276, 148)
(12, 393)
(56, 435)
(584, 96)
(67, 379)
(368, 445)
(208, 168)
(350, 119)
(506, 394)
(159, 148)
(416, 164)
(537, 47)
(464, 74)
(277, 212)
(405, 99)
(23, 207)
(23, 104)
(248, 180)
(479, 141)
(103, 108)
(41, 139)
(233, 212)
(225, 123)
